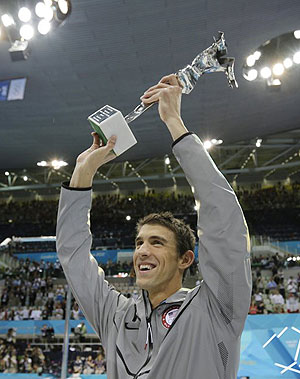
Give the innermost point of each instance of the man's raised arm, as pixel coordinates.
(224, 245)
(96, 298)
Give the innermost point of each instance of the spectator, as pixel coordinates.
(260, 308)
(100, 364)
(36, 314)
(271, 285)
(253, 308)
(75, 313)
(11, 336)
(77, 365)
(80, 332)
(89, 366)
(278, 301)
(292, 303)
(292, 285)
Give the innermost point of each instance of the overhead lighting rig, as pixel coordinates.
(270, 61)
(20, 21)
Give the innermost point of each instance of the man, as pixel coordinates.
(169, 332)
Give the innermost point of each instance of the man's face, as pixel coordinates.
(155, 258)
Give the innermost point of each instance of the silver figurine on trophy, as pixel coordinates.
(108, 121)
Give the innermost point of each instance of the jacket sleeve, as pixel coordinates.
(96, 298)
(224, 243)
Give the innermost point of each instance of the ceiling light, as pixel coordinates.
(297, 34)
(63, 6)
(44, 27)
(252, 74)
(207, 144)
(42, 164)
(265, 72)
(258, 142)
(257, 55)
(24, 14)
(296, 57)
(216, 141)
(288, 63)
(26, 32)
(278, 69)
(49, 14)
(40, 9)
(250, 61)
(56, 164)
(7, 20)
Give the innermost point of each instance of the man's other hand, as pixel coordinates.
(168, 95)
(90, 160)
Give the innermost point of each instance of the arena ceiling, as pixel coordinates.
(109, 52)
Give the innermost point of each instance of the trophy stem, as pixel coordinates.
(208, 61)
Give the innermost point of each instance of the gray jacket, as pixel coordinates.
(193, 334)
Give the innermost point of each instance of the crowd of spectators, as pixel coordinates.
(30, 291)
(21, 357)
(110, 227)
(275, 293)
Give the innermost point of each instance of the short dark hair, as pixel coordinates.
(185, 237)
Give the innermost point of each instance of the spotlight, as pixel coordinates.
(24, 14)
(296, 57)
(6, 173)
(250, 61)
(25, 178)
(257, 55)
(265, 72)
(252, 74)
(26, 32)
(128, 218)
(278, 69)
(44, 27)
(58, 164)
(288, 63)
(40, 9)
(207, 144)
(7, 20)
(297, 34)
(167, 160)
(48, 3)
(49, 14)
(258, 142)
(42, 164)
(63, 6)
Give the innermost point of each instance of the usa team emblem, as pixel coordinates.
(169, 316)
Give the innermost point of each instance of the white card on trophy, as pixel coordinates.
(108, 121)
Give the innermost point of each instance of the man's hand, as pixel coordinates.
(90, 160)
(168, 94)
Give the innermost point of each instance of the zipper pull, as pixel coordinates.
(149, 331)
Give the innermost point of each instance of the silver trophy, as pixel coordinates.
(209, 60)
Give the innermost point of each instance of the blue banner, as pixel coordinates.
(290, 246)
(102, 256)
(4, 86)
(270, 346)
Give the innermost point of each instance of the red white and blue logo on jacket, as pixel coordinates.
(169, 316)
